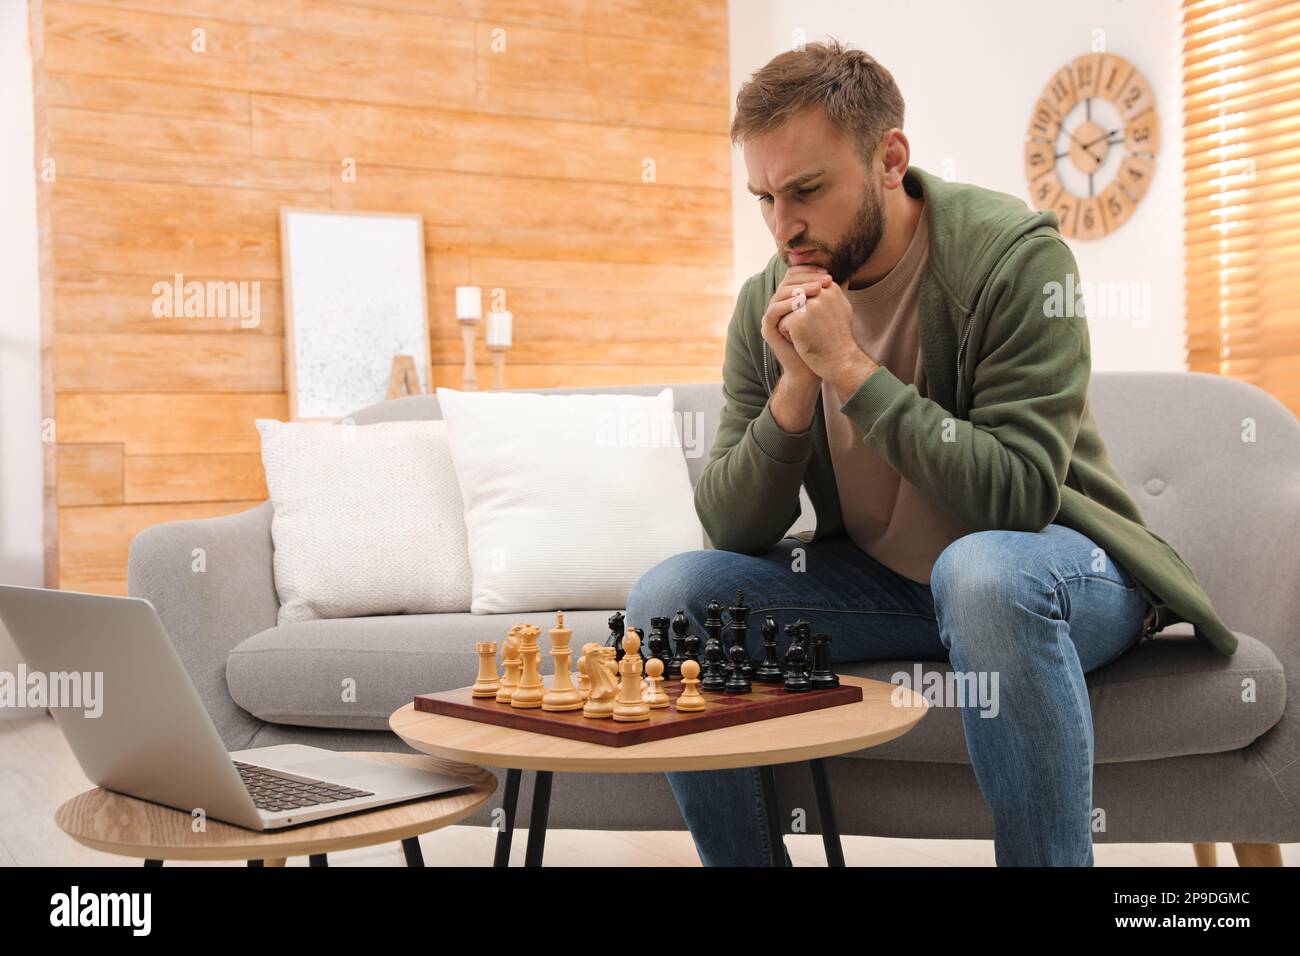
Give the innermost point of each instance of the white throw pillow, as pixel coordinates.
(368, 519)
(569, 499)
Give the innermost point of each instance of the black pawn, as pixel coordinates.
(679, 627)
(715, 677)
(693, 649)
(657, 643)
(737, 682)
(769, 671)
(740, 632)
(617, 625)
(822, 678)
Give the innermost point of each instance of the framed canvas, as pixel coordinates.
(354, 298)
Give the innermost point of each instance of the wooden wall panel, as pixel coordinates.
(524, 133)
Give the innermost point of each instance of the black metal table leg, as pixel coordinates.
(153, 862)
(506, 834)
(772, 811)
(537, 818)
(318, 859)
(826, 810)
(411, 847)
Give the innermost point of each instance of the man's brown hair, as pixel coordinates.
(859, 95)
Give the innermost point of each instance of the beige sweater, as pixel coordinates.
(884, 514)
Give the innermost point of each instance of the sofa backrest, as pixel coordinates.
(1181, 441)
(699, 404)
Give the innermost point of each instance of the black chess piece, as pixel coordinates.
(715, 676)
(822, 677)
(713, 627)
(692, 649)
(715, 652)
(796, 659)
(737, 682)
(679, 626)
(617, 625)
(657, 643)
(769, 671)
(739, 627)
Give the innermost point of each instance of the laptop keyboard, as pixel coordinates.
(274, 790)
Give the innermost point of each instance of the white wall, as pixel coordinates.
(20, 331)
(970, 74)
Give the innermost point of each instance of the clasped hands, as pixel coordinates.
(808, 326)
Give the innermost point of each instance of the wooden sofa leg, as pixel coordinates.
(1258, 854)
(1206, 854)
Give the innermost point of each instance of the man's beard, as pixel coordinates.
(864, 235)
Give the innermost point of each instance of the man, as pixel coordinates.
(905, 359)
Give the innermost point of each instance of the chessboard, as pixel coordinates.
(721, 710)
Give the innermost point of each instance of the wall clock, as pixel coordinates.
(1091, 146)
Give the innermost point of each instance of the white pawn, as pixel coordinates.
(654, 694)
(691, 699)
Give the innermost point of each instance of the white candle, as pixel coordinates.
(469, 302)
(498, 329)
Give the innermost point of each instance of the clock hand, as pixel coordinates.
(1105, 136)
(1084, 146)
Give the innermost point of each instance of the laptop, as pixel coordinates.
(118, 691)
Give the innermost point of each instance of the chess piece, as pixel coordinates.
(713, 628)
(584, 682)
(769, 671)
(489, 681)
(654, 694)
(690, 699)
(600, 700)
(629, 705)
(796, 660)
(693, 648)
(822, 677)
(511, 662)
(715, 675)
(617, 623)
(562, 695)
(530, 691)
(657, 646)
(737, 682)
(679, 627)
(641, 643)
(739, 626)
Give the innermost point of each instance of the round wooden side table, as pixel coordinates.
(796, 738)
(115, 823)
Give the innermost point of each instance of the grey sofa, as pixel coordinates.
(1183, 753)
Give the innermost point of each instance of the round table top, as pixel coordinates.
(795, 737)
(116, 823)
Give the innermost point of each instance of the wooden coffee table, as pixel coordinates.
(808, 738)
(116, 823)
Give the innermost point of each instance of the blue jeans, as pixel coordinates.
(1033, 610)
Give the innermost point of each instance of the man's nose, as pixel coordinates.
(787, 231)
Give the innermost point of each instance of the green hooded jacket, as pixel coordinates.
(1008, 441)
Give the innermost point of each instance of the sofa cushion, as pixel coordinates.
(568, 499)
(367, 519)
(301, 673)
(1165, 698)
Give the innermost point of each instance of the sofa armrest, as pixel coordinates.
(211, 600)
